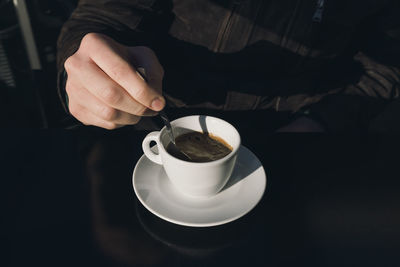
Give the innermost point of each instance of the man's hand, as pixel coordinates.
(103, 86)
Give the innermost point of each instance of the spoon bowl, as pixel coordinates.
(175, 149)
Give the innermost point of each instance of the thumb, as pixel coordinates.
(159, 103)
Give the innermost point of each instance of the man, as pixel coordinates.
(329, 65)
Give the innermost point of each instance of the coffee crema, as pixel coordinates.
(200, 147)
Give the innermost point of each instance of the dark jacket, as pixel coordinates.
(338, 60)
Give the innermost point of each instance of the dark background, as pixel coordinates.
(28, 98)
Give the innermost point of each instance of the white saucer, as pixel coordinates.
(241, 194)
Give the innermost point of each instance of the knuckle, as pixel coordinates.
(108, 113)
(90, 38)
(75, 110)
(110, 126)
(68, 64)
(111, 95)
(119, 71)
(72, 64)
(70, 88)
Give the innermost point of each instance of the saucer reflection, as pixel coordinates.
(193, 242)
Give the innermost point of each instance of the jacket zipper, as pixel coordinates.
(224, 29)
(314, 25)
(317, 17)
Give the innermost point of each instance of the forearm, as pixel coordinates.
(379, 82)
(356, 104)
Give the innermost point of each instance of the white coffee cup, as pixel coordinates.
(199, 179)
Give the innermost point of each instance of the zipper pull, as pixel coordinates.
(317, 17)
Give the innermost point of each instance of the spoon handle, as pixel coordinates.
(165, 119)
(142, 73)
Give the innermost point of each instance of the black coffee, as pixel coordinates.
(200, 147)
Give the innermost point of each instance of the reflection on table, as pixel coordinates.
(330, 201)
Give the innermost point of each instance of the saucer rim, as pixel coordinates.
(190, 224)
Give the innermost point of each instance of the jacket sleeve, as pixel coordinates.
(127, 21)
(356, 104)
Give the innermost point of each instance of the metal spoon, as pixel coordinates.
(175, 149)
(142, 73)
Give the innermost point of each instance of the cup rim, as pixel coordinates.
(208, 163)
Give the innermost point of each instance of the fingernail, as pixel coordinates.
(157, 104)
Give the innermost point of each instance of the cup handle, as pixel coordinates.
(153, 136)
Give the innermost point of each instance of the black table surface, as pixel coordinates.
(67, 200)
